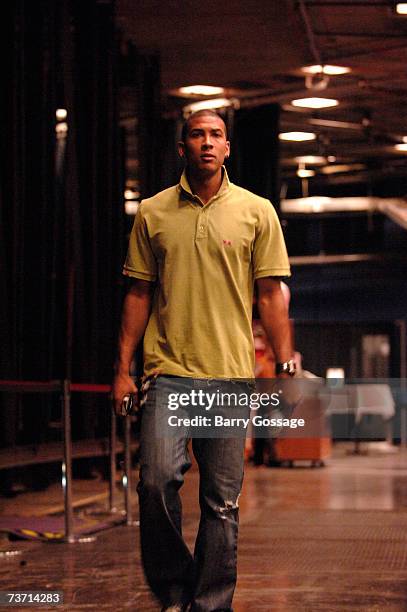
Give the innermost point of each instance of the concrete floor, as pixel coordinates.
(332, 539)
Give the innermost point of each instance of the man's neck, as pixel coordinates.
(205, 187)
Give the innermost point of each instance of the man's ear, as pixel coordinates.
(227, 149)
(181, 149)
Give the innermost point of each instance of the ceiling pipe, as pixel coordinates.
(366, 52)
(310, 33)
(350, 3)
(342, 125)
(362, 34)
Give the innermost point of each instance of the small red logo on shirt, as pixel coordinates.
(227, 242)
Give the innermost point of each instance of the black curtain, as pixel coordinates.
(94, 250)
(28, 101)
(171, 165)
(62, 220)
(142, 74)
(254, 160)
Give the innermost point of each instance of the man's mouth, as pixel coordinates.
(207, 157)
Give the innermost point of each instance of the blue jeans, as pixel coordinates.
(207, 578)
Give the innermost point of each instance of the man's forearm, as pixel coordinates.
(136, 312)
(274, 318)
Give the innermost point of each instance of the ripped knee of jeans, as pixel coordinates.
(229, 507)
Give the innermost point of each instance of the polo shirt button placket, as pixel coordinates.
(201, 231)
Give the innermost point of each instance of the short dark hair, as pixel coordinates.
(200, 113)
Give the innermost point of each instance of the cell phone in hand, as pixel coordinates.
(127, 404)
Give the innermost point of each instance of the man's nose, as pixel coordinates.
(207, 142)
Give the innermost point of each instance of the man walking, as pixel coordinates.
(195, 252)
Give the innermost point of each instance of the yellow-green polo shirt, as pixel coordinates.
(204, 260)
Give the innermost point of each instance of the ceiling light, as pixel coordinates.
(61, 128)
(310, 159)
(131, 207)
(331, 158)
(342, 168)
(305, 173)
(315, 102)
(401, 8)
(129, 194)
(297, 136)
(61, 114)
(335, 373)
(203, 104)
(401, 147)
(325, 204)
(404, 138)
(326, 69)
(201, 90)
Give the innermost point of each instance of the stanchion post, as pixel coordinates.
(67, 464)
(112, 484)
(127, 470)
(403, 382)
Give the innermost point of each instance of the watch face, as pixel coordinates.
(288, 367)
(291, 368)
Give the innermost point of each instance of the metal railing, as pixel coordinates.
(65, 388)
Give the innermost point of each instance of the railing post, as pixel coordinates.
(67, 463)
(127, 470)
(403, 381)
(112, 484)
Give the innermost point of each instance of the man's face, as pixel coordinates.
(205, 146)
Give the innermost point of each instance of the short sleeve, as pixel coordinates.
(269, 253)
(140, 261)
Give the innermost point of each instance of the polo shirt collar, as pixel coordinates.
(184, 185)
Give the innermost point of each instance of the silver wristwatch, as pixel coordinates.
(288, 367)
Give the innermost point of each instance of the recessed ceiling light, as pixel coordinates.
(310, 159)
(201, 90)
(401, 147)
(404, 138)
(401, 8)
(305, 173)
(331, 158)
(203, 104)
(297, 136)
(315, 102)
(326, 69)
(61, 114)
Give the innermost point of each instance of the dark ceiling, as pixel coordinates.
(256, 49)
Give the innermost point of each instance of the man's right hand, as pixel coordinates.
(123, 384)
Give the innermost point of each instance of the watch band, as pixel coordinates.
(287, 367)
